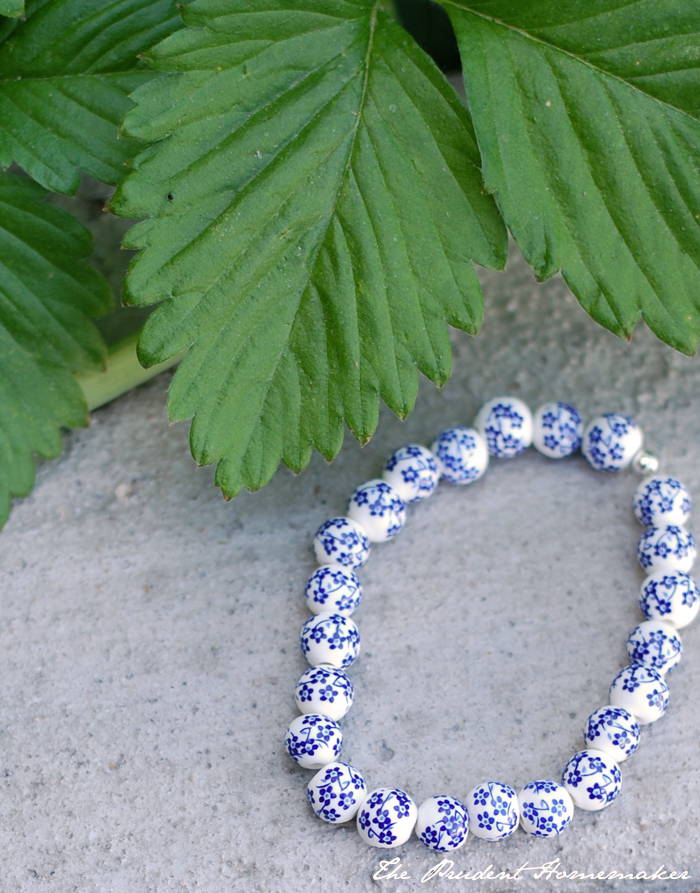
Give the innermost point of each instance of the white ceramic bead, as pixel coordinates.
(546, 808)
(330, 639)
(655, 644)
(442, 824)
(610, 442)
(413, 472)
(505, 423)
(613, 730)
(379, 509)
(313, 741)
(336, 792)
(461, 455)
(333, 588)
(661, 500)
(493, 810)
(642, 692)
(668, 548)
(326, 691)
(592, 778)
(386, 818)
(341, 541)
(556, 430)
(670, 596)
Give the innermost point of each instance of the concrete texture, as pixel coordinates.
(149, 639)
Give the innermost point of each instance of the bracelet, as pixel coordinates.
(330, 639)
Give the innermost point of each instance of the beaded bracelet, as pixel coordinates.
(330, 640)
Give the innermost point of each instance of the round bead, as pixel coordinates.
(330, 639)
(413, 472)
(324, 690)
(661, 500)
(670, 596)
(611, 441)
(641, 691)
(493, 810)
(443, 823)
(655, 644)
(557, 430)
(592, 778)
(461, 455)
(668, 548)
(341, 541)
(386, 818)
(505, 423)
(336, 792)
(379, 509)
(333, 588)
(313, 740)
(614, 731)
(546, 808)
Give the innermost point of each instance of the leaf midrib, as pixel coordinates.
(72, 77)
(600, 71)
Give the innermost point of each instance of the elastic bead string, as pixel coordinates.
(330, 640)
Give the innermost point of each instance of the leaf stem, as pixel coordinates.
(124, 372)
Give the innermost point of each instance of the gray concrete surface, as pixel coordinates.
(148, 639)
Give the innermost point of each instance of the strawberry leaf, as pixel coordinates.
(314, 206)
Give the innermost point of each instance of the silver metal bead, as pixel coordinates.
(645, 463)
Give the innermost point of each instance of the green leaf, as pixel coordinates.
(65, 78)
(315, 205)
(586, 118)
(47, 298)
(13, 8)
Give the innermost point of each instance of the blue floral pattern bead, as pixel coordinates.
(413, 472)
(330, 639)
(667, 548)
(341, 541)
(614, 731)
(641, 691)
(336, 792)
(611, 441)
(333, 588)
(493, 810)
(312, 740)
(442, 824)
(670, 596)
(387, 818)
(546, 808)
(592, 778)
(461, 454)
(655, 644)
(505, 423)
(557, 430)
(379, 509)
(661, 500)
(324, 690)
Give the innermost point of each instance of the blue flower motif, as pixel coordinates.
(658, 543)
(306, 692)
(461, 454)
(375, 800)
(415, 467)
(486, 820)
(431, 837)
(608, 440)
(660, 496)
(340, 541)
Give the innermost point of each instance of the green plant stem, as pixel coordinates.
(123, 373)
